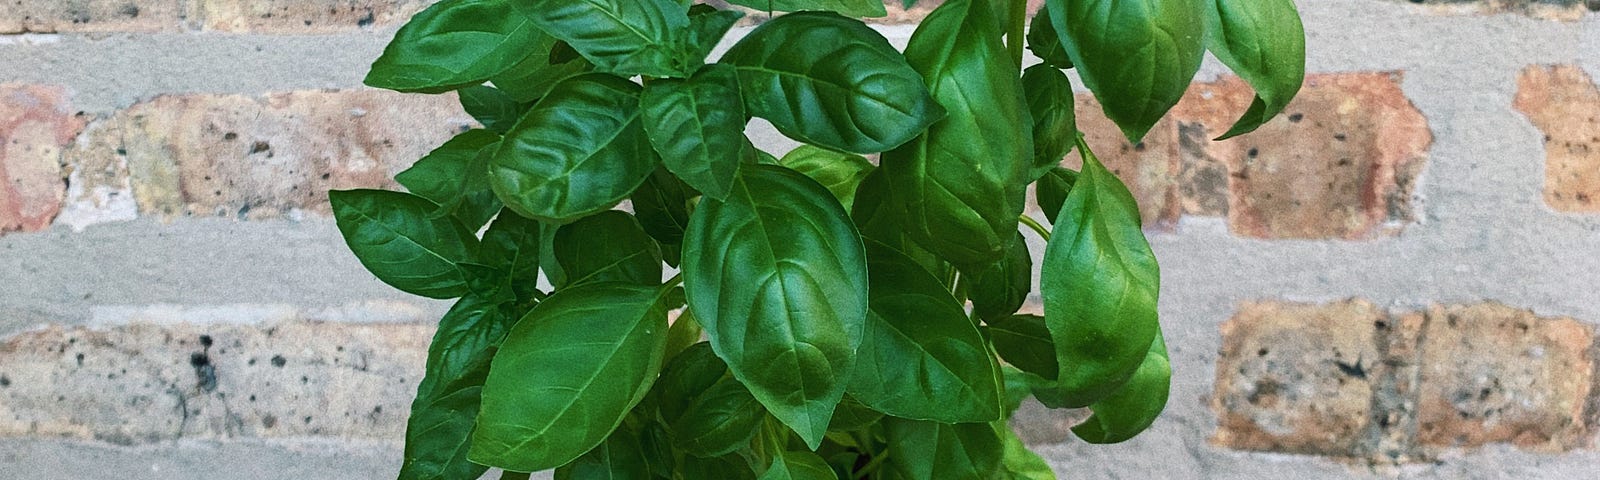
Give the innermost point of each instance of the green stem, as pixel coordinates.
(1035, 226)
(1014, 34)
(872, 465)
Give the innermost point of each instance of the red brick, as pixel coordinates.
(47, 16)
(244, 157)
(303, 16)
(1563, 102)
(1491, 373)
(1298, 378)
(36, 123)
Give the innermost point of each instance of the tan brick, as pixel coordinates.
(148, 383)
(1560, 10)
(1149, 168)
(48, 16)
(36, 123)
(1563, 102)
(1492, 373)
(303, 16)
(243, 157)
(1297, 378)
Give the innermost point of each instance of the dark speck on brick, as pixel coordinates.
(5, 381)
(205, 341)
(278, 361)
(365, 20)
(1295, 117)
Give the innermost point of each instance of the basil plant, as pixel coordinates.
(836, 317)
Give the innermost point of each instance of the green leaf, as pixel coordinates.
(707, 412)
(624, 37)
(1052, 189)
(512, 244)
(1132, 408)
(1137, 56)
(922, 358)
(1016, 461)
(878, 217)
(962, 184)
(1024, 342)
(455, 176)
(1055, 125)
(1044, 43)
(922, 450)
(393, 235)
(777, 276)
(442, 415)
(707, 26)
(531, 79)
(496, 110)
(567, 375)
(661, 204)
(1264, 42)
(831, 81)
(453, 44)
(840, 172)
(607, 247)
(580, 151)
(799, 465)
(852, 415)
(618, 457)
(1001, 288)
(726, 467)
(697, 125)
(849, 8)
(1100, 282)
(684, 333)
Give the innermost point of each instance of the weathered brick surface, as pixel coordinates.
(243, 157)
(47, 16)
(36, 123)
(1149, 168)
(151, 383)
(1492, 373)
(303, 16)
(1563, 103)
(1563, 10)
(1297, 378)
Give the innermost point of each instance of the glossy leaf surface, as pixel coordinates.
(1024, 342)
(697, 125)
(777, 276)
(798, 465)
(707, 412)
(1016, 461)
(1264, 42)
(442, 415)
(567, 374)
(852, 8)
(625, 37)
(456, 176)
(395, 236)
(920, 450)
(831, 81)
(453, 44)
(608, 246)
(1137, 56)
(491, 107)
(840, 172)
(618, 457)
(1132, 408)
(512, 245)
(1051, 191)
(1045, 43)
(1055, 124)
(1001, 288)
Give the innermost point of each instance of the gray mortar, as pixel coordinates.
(1484, 234)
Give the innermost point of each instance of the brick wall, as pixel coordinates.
(1396, 277)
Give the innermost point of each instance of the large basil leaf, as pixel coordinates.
(921, 450)
(529, 80)
(851, 8)
(922, 358)
(962, 184)
(512, 245)
(840, 172)
(707, 26)
(832, 81)
(778, 277)
(878, 217)
(852, 415)
(799, 465)
(1044, 43)
(625, 37)
(661, 204)
(697, 125)
(707, 412)
(1055, 125)
(1024, 342)
(1001, 288)
(607, 247)
(456, 176)
(1137, 56)
(491, 107)
(1132, 408)
(1264, 42)
(446, 406)
(567, 374)
(396, 238)
(618, 457)
(1100, 282)
(1051, 191)
(1016, 461)
(452, 44)
(579, 151)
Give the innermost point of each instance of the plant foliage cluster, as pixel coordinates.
(825, 329)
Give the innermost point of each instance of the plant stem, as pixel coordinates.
(872, 465)
(1035, 226)
(1014, 34)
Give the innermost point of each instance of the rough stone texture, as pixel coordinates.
(1561, 10)
(303, 16)
(242, 157)
(1297, 378)
(1492, 373)
(1340, 162)
(1563, 102)
(147, 383)
(48, 16)
(36, 123)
